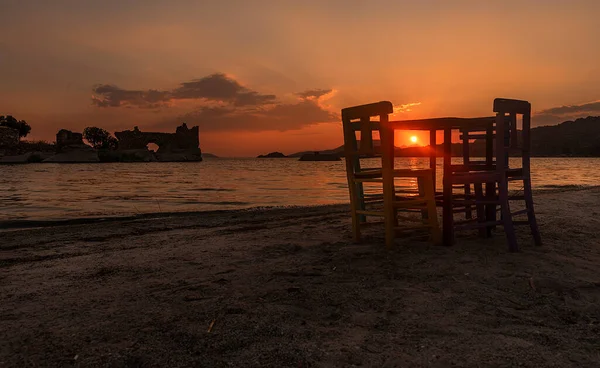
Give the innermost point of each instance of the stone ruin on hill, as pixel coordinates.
(183, 145)
(70, 148)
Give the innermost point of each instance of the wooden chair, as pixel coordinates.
(479, 133)
(511, 110)
(497, 174)
(423, 201)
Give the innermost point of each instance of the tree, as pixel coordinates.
(19, 125)
(99, 138)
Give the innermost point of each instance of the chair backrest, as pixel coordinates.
(363, 114)
(507, 113)
(512, 109)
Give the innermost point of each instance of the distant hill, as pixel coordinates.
(336, 151)
(209, 155)
(579, 138)
(272, 155)
(571, 138)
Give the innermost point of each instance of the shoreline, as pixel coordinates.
(8, 225)
(27, 224)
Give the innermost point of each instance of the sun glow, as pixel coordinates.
(414, 139)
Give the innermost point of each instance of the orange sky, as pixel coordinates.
(267, 76)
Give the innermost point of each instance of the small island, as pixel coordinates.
(124, 146)
(316, 156)
(273, 155)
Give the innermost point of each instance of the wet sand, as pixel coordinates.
(288, 288)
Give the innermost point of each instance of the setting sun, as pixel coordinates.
(413, 139)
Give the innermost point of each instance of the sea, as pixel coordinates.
(72, 191)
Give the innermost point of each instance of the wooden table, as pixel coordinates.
(447, 125)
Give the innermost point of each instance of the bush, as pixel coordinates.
(99, 138)
(39, 146)
(20, 125)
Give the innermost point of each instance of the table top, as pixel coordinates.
(433, 123)
(442, 123)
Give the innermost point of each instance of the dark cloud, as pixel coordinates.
(313, 93)
(560, 114)
(215, 87)
(573, 109)
(106, 95)
(253, 98)
(218, 87)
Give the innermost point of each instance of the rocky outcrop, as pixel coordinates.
(316, 156)
(178, 157)
(273, 155)
(70, 148)
(74, 157)
(26, 158)
(14, 151)
(183, 145)
(137, 155)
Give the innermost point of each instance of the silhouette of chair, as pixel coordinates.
(389, 197)
(468, 133)
(497, 174)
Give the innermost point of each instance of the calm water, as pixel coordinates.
(61, 191)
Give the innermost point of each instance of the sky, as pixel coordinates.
(261, 76)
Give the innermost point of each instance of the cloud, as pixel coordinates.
(215, 87)
(560, 114)
(218, 87)
(313, 93)
(407, 107)
(590, 107)
(107, 95)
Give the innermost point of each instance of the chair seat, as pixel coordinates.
(475, 177)
(398, 173)
(515, 173)
(473, 166)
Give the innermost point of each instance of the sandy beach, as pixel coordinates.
(288, 288)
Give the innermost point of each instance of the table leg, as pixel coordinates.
(433, 157)
(490, 188)
(448, 220)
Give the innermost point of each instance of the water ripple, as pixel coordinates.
(61, 191)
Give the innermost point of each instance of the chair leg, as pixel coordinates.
(390, 218)
(490, 209)
(422, 193)
(386, 136)
(530, 211)
(480, 209)
(360, 195)
(509, 227)
(354, 206)
(468, 209)
(390, 224)
(432, 220)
